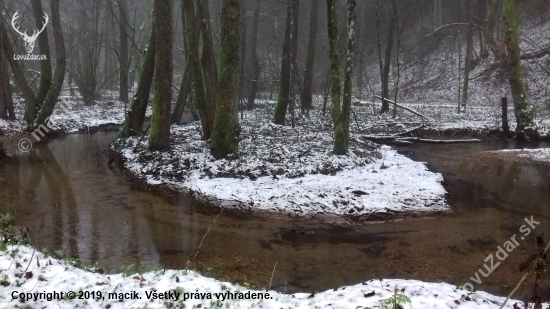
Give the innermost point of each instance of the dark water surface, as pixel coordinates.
(64, 192)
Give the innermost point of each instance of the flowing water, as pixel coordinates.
(72, 202)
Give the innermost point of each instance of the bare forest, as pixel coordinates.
(274, 153)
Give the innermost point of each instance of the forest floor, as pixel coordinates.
(22, 270)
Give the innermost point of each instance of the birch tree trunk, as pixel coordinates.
(341, 112)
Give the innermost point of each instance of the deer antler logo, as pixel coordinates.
(29, 40)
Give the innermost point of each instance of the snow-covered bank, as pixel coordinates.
(25, 271)
(71, 115)
(289, 170)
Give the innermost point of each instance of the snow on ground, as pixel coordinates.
(71, 115)
(429, 73)
(22, 270)
(442, 116)
(290, 170)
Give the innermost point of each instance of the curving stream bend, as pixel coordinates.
(70, 200)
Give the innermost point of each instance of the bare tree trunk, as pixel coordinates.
(493, 13)
(254, 53)
(124, 62)
(48, 106)
(224, 139)
(242, 84)
(523, 109)
(159, 136)
(45, 65)
(6, 85)
(336, 88)
(307, 90)
(360, 53)
(469, 54)
(26, 90)
(385, 73)
(208, 62)
(5, 90)
(136, 114)
(3, 96)
(192, 30)
(181, 101)
(341, 117)
(186, 81)
(289, 58)
(398, 62)
(458, 73)
(505, 125)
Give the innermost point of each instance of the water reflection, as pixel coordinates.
(64, 192)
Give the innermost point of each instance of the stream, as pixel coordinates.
(72, 202)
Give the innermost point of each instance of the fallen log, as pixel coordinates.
(399, 142)
(392, 139)
(379, 138)
(404, 107)
(448, 141)
(409, 131)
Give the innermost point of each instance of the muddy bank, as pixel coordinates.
(536, 156)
